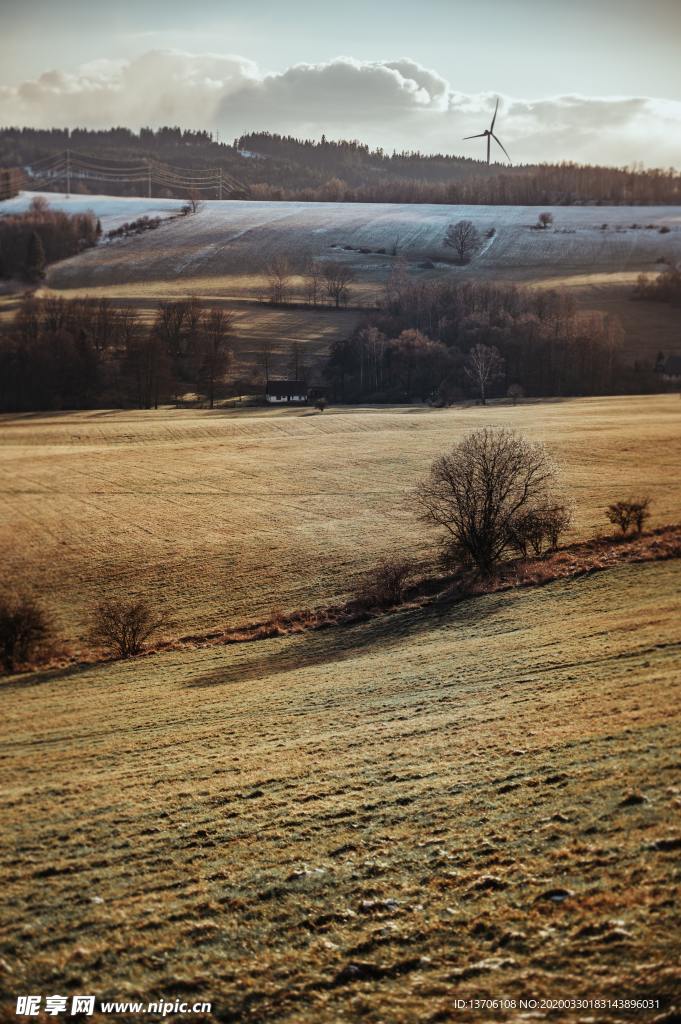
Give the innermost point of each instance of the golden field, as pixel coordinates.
(227, 516)
(479, 801)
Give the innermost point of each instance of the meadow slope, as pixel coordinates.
(361, 824)
(227, 517)
(234, 239)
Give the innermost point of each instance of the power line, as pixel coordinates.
(71, 166)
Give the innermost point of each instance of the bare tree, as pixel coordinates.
(480, 489)
(296, 361)
(483, 366)
(313, 280)
(544, 220)
(463, 238)
(194, 203)
(124, 625)
(214, 353)
(264, 358)
(279, 273)
(337, 280)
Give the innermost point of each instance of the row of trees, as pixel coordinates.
(79, 354)
(446, 340)
(31, 240)
(317, 284)
(343, 170)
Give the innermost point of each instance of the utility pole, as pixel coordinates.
(68, 172)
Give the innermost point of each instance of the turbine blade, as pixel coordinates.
(480, 136)
(499, 144)
(491, 127)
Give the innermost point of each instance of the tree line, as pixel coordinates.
(444, 341)
(83, 353)
(343, 170)
(41, 235)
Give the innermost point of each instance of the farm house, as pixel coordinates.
(286, 391)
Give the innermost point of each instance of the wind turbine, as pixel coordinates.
(489, 135)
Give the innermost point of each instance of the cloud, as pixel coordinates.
(393, 103)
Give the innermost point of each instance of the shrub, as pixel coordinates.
(320, 404)
(124, 625)
(544, 220)
(515, 393)
(538, 529)
(24, 628)
(629, 515)
(385, 585)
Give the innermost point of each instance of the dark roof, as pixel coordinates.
(281, 388)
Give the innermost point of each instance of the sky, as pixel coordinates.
(585, 80)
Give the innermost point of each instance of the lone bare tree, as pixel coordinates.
(545, 220)
(483, 366)
(337, 280)
(481, 490)
(463, 238)
(124, 625)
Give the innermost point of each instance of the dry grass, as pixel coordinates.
(359, 824)
(227, 516)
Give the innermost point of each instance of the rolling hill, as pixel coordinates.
(227, 516)
(235, 239)
(478, 802)
(222, 253)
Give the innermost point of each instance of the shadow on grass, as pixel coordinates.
(38, 676)
(332, 644)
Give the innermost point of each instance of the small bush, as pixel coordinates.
(320, 404)
(629, 515)
(124, 625)
(24, 629)
(664, 230)
(539, 529)
(385, 584)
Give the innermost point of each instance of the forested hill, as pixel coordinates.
(273, 166)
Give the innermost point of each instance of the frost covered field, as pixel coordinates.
(235, 239)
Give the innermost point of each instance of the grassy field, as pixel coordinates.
(226, 517)
(361, 824)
